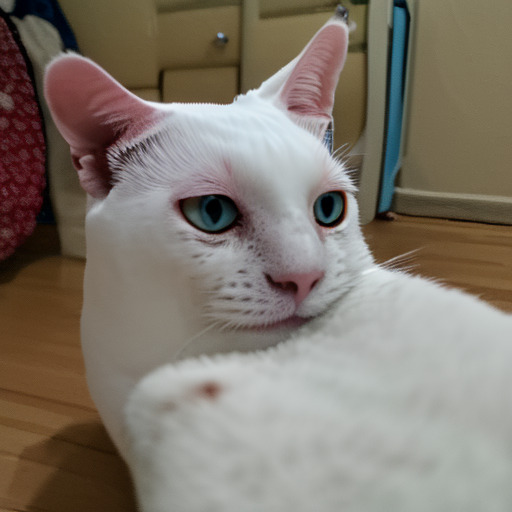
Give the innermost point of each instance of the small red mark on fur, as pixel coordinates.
(210, 390)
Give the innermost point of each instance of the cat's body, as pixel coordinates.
(226, 228)
(388, 403)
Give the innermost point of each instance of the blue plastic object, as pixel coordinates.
(395, 105)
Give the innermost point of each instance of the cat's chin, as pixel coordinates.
(290, 323)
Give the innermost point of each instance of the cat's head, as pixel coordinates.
(240, 203)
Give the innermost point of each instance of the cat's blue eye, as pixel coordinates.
(212, 214)
(329, 209)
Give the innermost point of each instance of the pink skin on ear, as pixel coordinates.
(310, 88)
(92, 111)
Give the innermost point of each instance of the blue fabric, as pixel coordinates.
(50, 11)
(395, 105)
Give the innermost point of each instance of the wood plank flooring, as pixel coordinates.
(54, 454)
(466, 255)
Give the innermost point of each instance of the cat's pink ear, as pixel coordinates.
(93, 111)
(305, 87)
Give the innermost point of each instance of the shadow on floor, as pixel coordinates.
(80, 471)
(43, 242)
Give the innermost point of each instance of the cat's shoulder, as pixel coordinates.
(394, 305)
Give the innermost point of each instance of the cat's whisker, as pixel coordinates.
(237, 319)
(233, 325)
(341, 151)
(230, 325)
(194, 338)
(398, 262)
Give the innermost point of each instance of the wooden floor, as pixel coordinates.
(54, 454)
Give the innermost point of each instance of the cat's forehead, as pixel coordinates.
(245, 120)
(249, 147)
(252, 137)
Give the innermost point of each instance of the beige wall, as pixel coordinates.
(120, 35)
(459, 131)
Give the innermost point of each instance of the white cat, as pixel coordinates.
(227, 228)
(201, 231)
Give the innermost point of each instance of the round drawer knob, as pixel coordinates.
(221, 39)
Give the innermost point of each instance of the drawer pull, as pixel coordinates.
(221, 39)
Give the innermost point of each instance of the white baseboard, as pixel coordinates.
(480, 208)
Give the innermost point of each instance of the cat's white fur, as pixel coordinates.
(400, 399)
(157, 289)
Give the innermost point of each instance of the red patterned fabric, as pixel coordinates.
(22, 145)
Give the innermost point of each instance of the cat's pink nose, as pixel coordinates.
(298, 284)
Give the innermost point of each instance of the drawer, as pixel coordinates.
(188, 39)
(212, 85)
